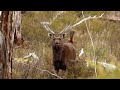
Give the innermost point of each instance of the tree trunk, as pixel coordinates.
(11, 30)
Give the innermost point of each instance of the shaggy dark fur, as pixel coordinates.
(62, 52)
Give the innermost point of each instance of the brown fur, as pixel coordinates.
(62, 51)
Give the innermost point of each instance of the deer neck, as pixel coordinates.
(57, 53)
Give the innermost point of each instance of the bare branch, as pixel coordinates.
(59, 13)
(31, 54)
(88, 18)
(45, 23)
(94, 59)
(81, 52)
(43, 70)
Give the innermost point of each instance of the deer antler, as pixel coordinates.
(68, 28)
(65, 29)
(45, 24)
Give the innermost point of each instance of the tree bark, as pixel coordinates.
(11, 30)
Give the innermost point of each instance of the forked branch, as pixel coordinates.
(59, 13)
(78, 23)
(68, 28)
(88, 18)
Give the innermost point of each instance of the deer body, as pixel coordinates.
(62, 51)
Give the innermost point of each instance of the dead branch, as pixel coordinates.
(88, 18)
(43, 70)
(59, 13)
(94, 59)
(78, 23)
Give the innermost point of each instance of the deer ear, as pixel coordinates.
(63, 35)
(50, 35)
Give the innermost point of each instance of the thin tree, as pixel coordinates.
(10, 30)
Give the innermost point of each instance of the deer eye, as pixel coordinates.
(59, 38)
(53, 38)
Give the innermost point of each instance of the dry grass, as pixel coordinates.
(105, 35)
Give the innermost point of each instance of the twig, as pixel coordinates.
(94, 60)
(94, 17)
(81, 53)
(51, 21)
(44, 71)
(78, 23)
(59, 13)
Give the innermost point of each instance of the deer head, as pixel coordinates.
(62, 51)
(57, 39)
